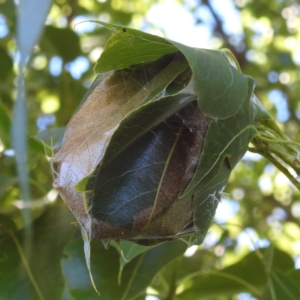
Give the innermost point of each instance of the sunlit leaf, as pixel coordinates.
(220, 93)
(131, 47)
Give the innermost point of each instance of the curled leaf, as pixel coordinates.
(89, 131)
(147, 155)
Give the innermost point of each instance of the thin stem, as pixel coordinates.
(267, 133)
(270, 140)
(173, 283)
(288, 159)
(273, 144)
(278, 150)
(271, 124)
(278, 165)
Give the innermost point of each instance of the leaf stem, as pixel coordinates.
(271, 142)
(267, 153)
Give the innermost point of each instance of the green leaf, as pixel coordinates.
(294, 275)
(130, 47)
(39, 275)
(260, 111)
(127, 251)
(247, 275)
(6, 182)
(52, 136)
(220, 93)
(48, 138)
(268, 258)
(233, 90)
(105, 267)
(137, 274)
(226, 142)
(5, 126)
(206, 201)
(6, 64)
(35, 145)
(281, 287)
(220, 88)
(20, 143)
(282, 261)
(54, 40)
(8, 9)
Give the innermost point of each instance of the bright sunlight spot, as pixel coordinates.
(39, 62)
(183, 30)
(45, 121)
(1, 146)
(9, 152)
(191, 251)
(50, 104)
(250, 239)
(296, 210)
(151, 298)
(52, 195)
(3, 26)
(265, 184)
(77, 67)
(95, 54)
(82, 25)
(245, 296)
(55, 65)
(225, 210)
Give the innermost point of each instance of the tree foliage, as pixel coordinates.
(251, 248)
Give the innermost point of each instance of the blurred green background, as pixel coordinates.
(260, 207)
